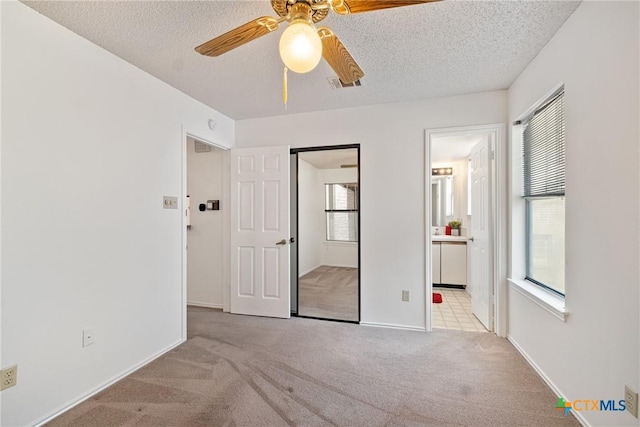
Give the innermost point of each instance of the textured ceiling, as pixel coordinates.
(446, 149)
(330, 159)
(408, 53)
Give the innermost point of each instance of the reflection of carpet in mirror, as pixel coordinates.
(329, 293)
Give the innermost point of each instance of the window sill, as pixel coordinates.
(554, 304)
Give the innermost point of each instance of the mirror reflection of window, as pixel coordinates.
(435, 203)
(469, 187)
(448, 196)
(341, 210)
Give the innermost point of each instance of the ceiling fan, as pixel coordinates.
(301, 44)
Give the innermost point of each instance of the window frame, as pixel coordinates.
(527, 185)
(528, 275)
(327, 211)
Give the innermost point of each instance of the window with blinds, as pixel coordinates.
(543, 150)
(543, 138)
(341, 209)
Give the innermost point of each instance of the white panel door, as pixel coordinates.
(481, 289)
(260, 231)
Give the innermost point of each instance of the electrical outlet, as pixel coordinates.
(631, 400)
(405, 295)
(9, 377)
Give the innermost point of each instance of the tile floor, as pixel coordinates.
(455, 311)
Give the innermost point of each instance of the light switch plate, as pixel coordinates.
(87, 337)
(170, 202)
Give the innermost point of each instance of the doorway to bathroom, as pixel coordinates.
(325, 222)
(461, 227)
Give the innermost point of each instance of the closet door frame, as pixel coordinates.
(294, 253)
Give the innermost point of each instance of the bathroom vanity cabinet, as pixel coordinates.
(449, 260)
(435, 262)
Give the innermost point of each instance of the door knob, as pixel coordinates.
(282, 242)
(471, 239)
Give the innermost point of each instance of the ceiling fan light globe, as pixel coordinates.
(300, 47)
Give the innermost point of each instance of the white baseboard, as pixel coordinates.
(113, 380)
(392, 326)
(204, 304)
(546, 379)
(340, 265)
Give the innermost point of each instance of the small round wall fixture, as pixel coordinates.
(212, 124)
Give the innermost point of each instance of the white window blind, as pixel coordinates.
(544, 151)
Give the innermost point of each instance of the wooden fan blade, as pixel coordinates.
(338, 57)
(238, 36)
(345, 7)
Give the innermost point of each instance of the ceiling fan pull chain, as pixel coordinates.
(284, 88)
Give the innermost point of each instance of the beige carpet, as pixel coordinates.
(250, 371)
(329, 293)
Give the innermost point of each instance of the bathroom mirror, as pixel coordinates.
(442, 200)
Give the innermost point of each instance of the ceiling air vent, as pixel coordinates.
(336, 83)
(201, 147)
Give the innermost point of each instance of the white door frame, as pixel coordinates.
(226, 230)
(499, 217)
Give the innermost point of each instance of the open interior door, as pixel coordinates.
(480, 233)
(260, 232)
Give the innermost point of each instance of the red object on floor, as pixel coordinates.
(447, 230)
(437, 298)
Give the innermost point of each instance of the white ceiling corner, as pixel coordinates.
(408, 53)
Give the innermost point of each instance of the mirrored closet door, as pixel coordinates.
(327, 238)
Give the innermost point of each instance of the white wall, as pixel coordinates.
(1, 301)
(337, 176)
(596, 351)
(340, 254)
(90, 144)
(204, 238)
(392, 174)
(337, 254)
(310, 218)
